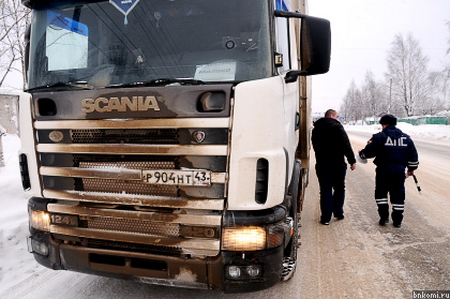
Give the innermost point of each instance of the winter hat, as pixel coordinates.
(388, 119)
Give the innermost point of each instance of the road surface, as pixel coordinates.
(351, 258)
(357, 258)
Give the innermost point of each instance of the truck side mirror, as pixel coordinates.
(315, 45)
(315, 48)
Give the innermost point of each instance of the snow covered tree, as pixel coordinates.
(446, 73)
(14, 20)
(353, 104)
(373, 96)
(408, 70)
(435, 100)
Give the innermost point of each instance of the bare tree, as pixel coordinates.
(446, 73)
(408, 70)
(373, 96)
(448, 38)
(353, 104)
(435, 100)
(14, 21)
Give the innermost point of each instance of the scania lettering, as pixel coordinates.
(167, 142)
(122, 104)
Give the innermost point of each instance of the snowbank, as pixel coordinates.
(15, 262)
(432, 132)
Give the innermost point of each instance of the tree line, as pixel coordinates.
(408, 88)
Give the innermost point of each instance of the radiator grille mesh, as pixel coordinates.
(132, 226)
(130, 165)
(128, 187)
(131, 162)
(137, 136)
(123, 186)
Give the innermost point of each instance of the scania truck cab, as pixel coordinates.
(167, 141)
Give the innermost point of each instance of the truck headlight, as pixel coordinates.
(244, 238)
(252, 238)
(40, 220)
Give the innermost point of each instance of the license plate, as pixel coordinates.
(195, 177)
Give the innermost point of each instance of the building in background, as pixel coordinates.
(9, 104)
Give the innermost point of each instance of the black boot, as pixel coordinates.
(383, 221)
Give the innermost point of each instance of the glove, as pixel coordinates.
(360, 158)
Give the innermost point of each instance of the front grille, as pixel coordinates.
(129, 165)
(131, 225)
(98, 176)
(124, 162)
(136, 136)
(128, 187)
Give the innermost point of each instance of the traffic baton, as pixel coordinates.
(417, 184)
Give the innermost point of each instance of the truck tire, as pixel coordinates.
(290, 252)
(290, 258)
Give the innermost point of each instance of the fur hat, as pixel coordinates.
(388, 119)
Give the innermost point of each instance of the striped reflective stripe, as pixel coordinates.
(398, 207)
(413, 163)
(381, 201)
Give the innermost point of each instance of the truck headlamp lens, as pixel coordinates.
(40, 220)
(245, 238)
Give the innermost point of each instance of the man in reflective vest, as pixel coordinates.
(394, 151)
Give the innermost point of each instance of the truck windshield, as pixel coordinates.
(107, 43)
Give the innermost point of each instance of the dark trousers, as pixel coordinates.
(331, 176)
(394, 184)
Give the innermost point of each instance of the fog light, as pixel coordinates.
(233, 272)
(243, 272)
(39, 247)
(253, 271)
(246, 238)
(40, 220)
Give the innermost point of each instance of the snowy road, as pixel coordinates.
(352, 258)
(356, 258)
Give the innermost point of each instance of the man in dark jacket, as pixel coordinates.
(394, 151)
(331, 145)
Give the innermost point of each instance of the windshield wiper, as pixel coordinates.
(159, 82)
(59, 86)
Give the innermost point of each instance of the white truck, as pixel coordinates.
(167, 141)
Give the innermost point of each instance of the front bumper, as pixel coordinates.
(207, 273)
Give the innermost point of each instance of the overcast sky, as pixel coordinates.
(362, 33)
